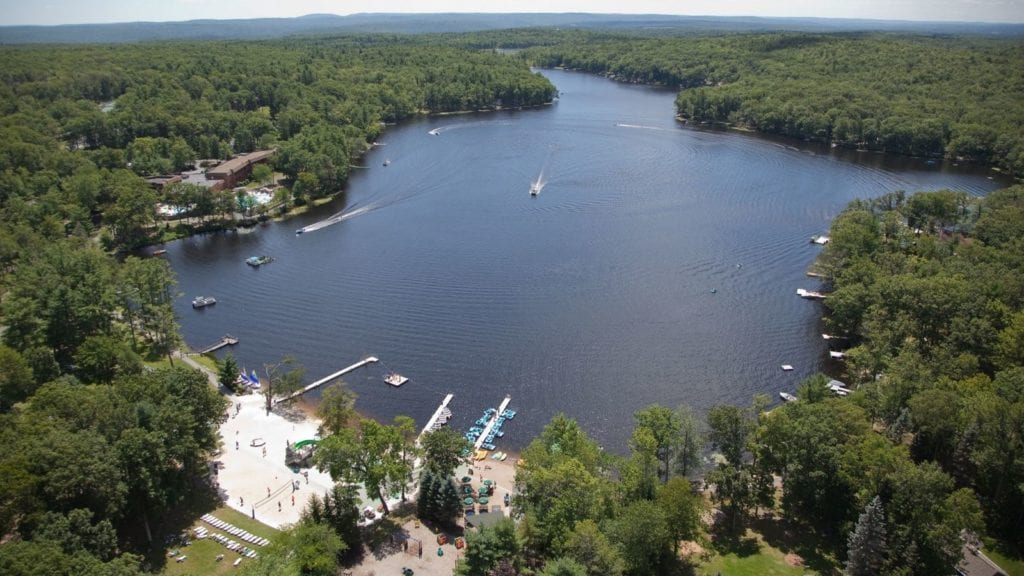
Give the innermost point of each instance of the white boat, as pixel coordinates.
(786, 368)
(536, 187)
(809, 294)
(787, 396)
(434, 132)
(203, 301)
(836, 355)
(820, 239)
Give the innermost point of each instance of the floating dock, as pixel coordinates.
(440, 416)
(395, 379)
(338, 374)
(225, 340)
(490, 423)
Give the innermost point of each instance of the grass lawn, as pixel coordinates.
(751, 557)
(202, 553)
(206, 360)
(762, 550)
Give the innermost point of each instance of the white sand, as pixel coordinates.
(247, 474)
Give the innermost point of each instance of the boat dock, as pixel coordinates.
(338, 374)
(436, 419)
(225, 340)
(490, 423)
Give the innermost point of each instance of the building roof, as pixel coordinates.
(237, 163)
(975, 563)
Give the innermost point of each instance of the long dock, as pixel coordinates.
(437, 414)
(490, 423)
(226, 340)
(338, 374)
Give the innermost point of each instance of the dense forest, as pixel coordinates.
(953, 97)
(99, 446)
(104, 432)
(80, 124)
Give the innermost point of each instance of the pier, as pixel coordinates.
(490, 423)
(226, 340)
(338, 374)
(442, 409)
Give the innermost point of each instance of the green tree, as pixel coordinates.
(665, 428)
(16, 380)
(643, 537)
(283, 378)
(336, 409)
(261, 173)
(369, 455)
(591, 548)
(682, 509)
(690, 447)
(227, 373)
(488, 546)
(563, 567)
(866, 549)
(102, 358)
(443, 451)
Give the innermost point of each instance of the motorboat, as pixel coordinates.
(787, 396)
(203, 301)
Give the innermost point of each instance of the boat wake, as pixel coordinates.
(640, 126)
(339, 217)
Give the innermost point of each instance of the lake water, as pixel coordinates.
(658, 264)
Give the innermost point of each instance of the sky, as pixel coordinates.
(15, 12)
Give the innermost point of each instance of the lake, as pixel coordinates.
(659, 263)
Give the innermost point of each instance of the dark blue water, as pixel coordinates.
(594, 298)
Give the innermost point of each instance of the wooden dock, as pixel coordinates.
(437, 414)
(490, 423)
(225, 340)
(338, 374)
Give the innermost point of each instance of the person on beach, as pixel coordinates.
(293, 499)
(278, 505)
(241, 501)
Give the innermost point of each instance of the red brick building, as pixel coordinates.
(237, 169)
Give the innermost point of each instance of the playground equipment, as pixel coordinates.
(298, 455)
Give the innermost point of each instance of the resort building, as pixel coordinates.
(237, 169)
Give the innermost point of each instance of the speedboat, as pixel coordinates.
(787, 396)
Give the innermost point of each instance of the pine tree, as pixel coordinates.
(228, 373)
(426, 504)
(866, 547)
(449, 503)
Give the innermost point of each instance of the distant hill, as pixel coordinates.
(263, 28)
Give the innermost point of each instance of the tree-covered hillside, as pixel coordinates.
(79, 123)
(957, 97)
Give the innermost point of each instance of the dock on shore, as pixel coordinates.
(322, 381)
(490, 423)
(442, 409)
(225, 340)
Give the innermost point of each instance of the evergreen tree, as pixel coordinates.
(447, 500)
(227, 375)
(426, 504)
(866, 547)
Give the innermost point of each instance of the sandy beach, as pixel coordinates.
(252, 473)
(255, 481)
